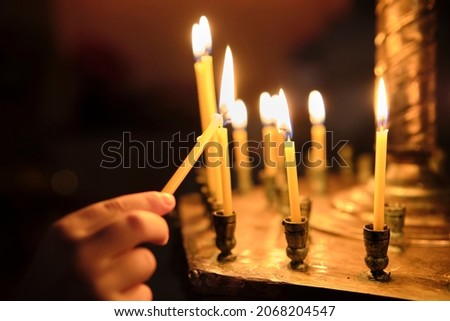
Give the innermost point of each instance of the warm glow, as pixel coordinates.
(227, 91)
(381, 105)
(283, 118)
(201, 38)
(316, 108)
(238, 114)
(266, 109)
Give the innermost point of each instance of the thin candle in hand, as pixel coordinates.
(193, 156)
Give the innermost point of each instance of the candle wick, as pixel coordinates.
(286, 134)
(225, 115)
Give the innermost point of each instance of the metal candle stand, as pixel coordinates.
(394, 216)
(225, 226)
(297, 237)
(376, 259)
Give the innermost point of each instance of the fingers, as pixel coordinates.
(93, 218)
(140, 292)
(125, 276)
(128, 231)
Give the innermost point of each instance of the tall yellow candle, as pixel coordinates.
(269, 132)
(226, 99)
(193, 156)
(284, 125)
(225, 171)
(380, 156)
(238, 116)
(280, 178)
(201, 46)
(317, 158)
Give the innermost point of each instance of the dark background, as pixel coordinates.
(76, 74)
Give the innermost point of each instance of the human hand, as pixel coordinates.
(95, 252)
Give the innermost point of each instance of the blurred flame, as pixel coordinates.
(201, 38)
(238, 114)
(381, 104)
(316, 108)
(266, 109)
(206, 33)
(283, 118)
(227, 90)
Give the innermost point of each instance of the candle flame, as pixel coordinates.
(283, 118)
(227, 89)
(381, 105)
(206, 33)
(316, 108)
(238, 114)
(201, 38)
(266, 109)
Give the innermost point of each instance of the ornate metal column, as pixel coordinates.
(405, 55)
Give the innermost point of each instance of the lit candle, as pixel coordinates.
(280, 178)
(238, 116)
(227, 87)
(227, 97)
(269, 132)
(284, 126)
(318, 136)
(201, 46)
(193, 156)
(381, 115)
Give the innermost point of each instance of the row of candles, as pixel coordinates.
(277, 130)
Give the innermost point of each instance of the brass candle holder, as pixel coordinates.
(225, 226)
(376, 259)
(394, 216)
(296, 234)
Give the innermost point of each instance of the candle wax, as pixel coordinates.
(270, 150)
(193, 156)
(207, 103)
(318, 158)
(241, 160)
(292, 179)
(379, 178)
(225, 171)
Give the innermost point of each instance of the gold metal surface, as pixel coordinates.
(335, 260)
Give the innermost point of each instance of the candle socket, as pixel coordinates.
(376, 259)
(394, 216)
(305, 207)
(296, 234)
(225, 226)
